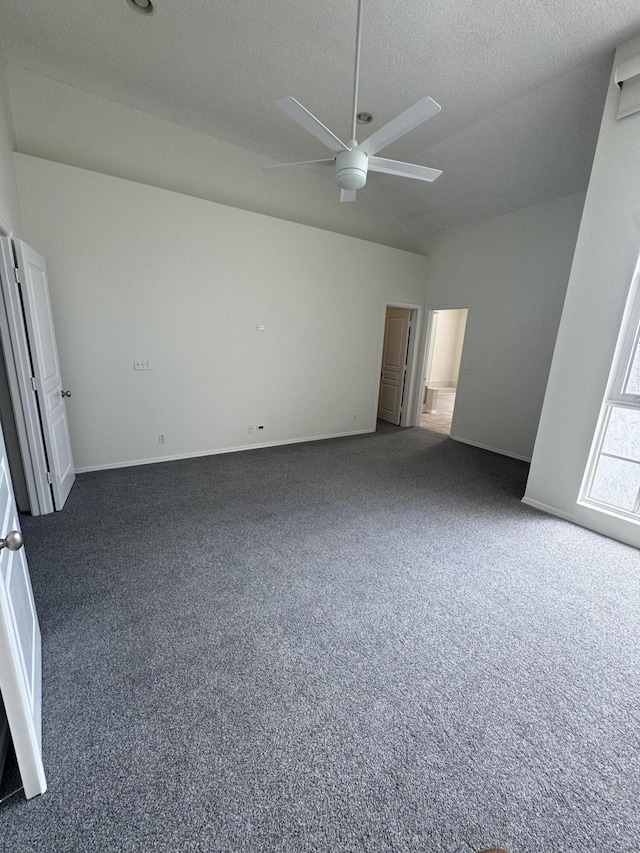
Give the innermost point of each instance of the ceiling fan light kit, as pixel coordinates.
(354, 161)
(351, 168)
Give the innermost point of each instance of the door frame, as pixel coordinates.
(5, 231)
(429, 343)
(15, 347)
(16, 363)
(408, 416)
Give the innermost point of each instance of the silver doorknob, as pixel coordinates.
(65, 393)
(13, 541)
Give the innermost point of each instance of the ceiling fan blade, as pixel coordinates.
(311, 124)
(290, 167)
(398, 126)
(405, 170)
(348, 195)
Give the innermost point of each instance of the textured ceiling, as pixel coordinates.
(521, 83)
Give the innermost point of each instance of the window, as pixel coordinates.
(612, 479)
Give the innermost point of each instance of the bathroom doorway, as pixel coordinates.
(444, 358)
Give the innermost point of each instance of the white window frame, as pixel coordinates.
(617, 398)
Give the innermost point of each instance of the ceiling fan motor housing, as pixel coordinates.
(351, 169)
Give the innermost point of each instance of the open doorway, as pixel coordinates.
(400, 378)
(444, 356)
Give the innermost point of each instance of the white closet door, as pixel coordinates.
(20, 651)
(44, 353)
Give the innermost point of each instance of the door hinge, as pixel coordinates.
(33, 383)
(16, 274)
(49, 478)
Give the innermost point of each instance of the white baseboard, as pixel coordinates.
(492, 449)
(602, 524)
(175, 457)
(566, 516)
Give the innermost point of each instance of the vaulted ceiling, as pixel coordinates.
(521, 83)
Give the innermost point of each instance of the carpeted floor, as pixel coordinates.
(365, 644)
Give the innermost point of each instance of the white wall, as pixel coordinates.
(447, 348)
(58, 122)
(9, 204)
(606, 255)
(140, 272)
(511, 272)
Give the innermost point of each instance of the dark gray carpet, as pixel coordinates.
(365, 644)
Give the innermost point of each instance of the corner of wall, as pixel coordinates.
(601, 275)
(10, 211)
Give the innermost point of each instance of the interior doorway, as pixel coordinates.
(395, 357)
(445, 343)
(400, 364)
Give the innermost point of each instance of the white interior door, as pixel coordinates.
(397, 332)
(20, 650)
(46, 368)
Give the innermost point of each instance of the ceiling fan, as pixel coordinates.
(354, 160)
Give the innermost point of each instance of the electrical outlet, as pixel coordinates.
(141, 364)
(249, 427)
(161, 438)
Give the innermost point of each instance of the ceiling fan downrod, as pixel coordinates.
(351, 165)
(356, 74)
